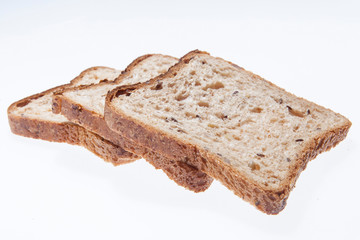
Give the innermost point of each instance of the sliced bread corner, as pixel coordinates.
(33, 117)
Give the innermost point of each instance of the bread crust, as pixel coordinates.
(268, 200)
(182, 173)
(65, 132)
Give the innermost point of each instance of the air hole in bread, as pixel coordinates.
(181, 131)
(197, 83)
(103, 81)
(295, 112)
(273, 120)
(190, 115)
(203, 104)
(221, 115)
(214, 85)
(254, 166)
(182, 96)
(213, 125)
(256, 110)
(157, 86)
(236, 137)
(244, 122)
(125, 92)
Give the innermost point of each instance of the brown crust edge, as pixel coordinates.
(270, 201)
(71, 134)
(65, 132)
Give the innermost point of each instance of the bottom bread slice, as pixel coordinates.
(72, 134)
(33, 117)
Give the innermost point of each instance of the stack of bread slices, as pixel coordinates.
(198, 118)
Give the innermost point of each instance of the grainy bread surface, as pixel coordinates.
(33, 117)
(253, 136)
(84, 105)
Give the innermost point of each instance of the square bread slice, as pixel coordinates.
(33, 117)
(251, 135)
(84, 105)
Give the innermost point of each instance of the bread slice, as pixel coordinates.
(84, 105)
(251, 135)
(33, 117)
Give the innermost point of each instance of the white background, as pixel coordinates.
(58, 191)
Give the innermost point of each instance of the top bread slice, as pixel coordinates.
(33, 117)
(84, 105)
(253, 136)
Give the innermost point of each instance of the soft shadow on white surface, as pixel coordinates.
(142, 184)
(67, 183)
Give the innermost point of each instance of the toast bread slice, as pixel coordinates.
(32, 117)
(237, 127)
(84, 105)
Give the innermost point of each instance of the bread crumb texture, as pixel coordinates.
(249, 123)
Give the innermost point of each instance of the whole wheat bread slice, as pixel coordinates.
(84, 105)
(33, 117)
(251, 135)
